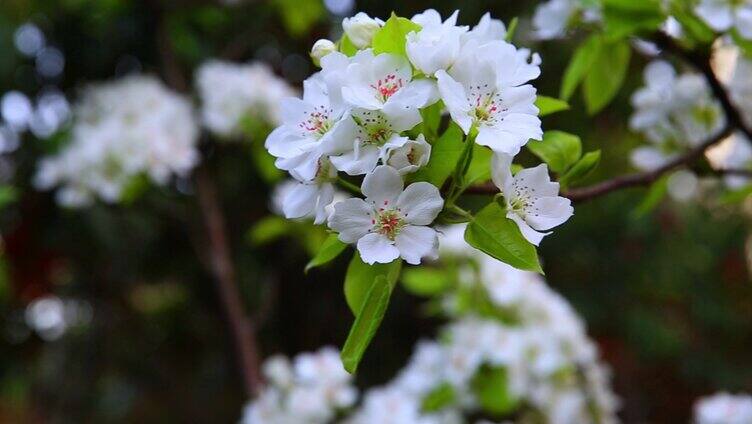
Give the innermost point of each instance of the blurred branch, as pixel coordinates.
(219, 256)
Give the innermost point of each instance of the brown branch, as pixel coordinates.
(220, 258)
(218, 252)
(630, 180)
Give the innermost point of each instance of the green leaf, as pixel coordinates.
(331, 248)
(268, 229)
(490, 385)
(579, 66)
(424, 281)
(299, 16)
(558, 149)
(480, 166)
(431, 119)
(549, 105)
(346, 46)
(606, 75)
(735, 196)
(694, 27)
(360, 277)
(511, 30)
(631, 17)
(498, 236)
(445, 153)
(391, 37)
(135, 187)
(438, 398)
(656, 193)
(744, 44)
(581, 169)
(366, 323)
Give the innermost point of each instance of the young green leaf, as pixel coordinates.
(498, 236)
(579, 66)
(549, 105)
(360, 277)
(346, 46)
(445, 153)
(391, 37)
(331, 248)
(511, 30)
(558, 149)
(581, 169)
(480, 166)
(490, 385)
(366, 323)
(438, 398)
(606, 75)
(656, 193)
(268, 229)
(8, 195)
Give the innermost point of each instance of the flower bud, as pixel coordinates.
(361, 28)
(320, 49)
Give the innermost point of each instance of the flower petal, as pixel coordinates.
(547, 212)
(382, 186)
(420, 203)
(455, 100)
(527, 231)
(377, 248)
(300, 201)
(352, 218)
(537, 181)
(417, 242)
(501, 170)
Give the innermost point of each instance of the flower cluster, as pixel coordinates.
(553, 18)
(503, 322)
(123, 129)
(674, 113)
(311, 389)
(723, 408)
(725, 15)
(363, 116)
(231, 93)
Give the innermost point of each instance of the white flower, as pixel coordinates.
(488, 29)
(377, 134)
(411, 156)
(724, 408)
(390, 222)
(361, 28)
(740, 87)
(733, 153)
(231, 92)
(722, 15)
(552, 18)
(310, 198)
(486, 88)
(532, 200)
(435, 46)
(322, 48)
(386, 81)
(313, 127)
(278, 371)
(123, 129)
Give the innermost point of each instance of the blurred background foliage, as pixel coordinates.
(665, 292)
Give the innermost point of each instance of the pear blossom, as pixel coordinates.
(551, 19)
(411, 156)
(313, 127)
(486, 88)
(385, 81)
(391, 222)
(377, 133)
(322, 48)
(532, 200)
(488, 29)
(437, 44)
(733, 153)
(230, 92)
(722, 15)
(723, 408)
(311, 197)
(361, 28)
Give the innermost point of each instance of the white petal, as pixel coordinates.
(352, 218)
(361, 160)
(382, 186)
(744, 22)
(377, 248)
(455, 100)
(716, 13)
(548, 212)
(528, 232)
(420, 203)
(416, 242)
(501, 170)
(538, 180)
(300, 201)
(325, 197)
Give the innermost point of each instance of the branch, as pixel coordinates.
(219, 256)
(630, 180)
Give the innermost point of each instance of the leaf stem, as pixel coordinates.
(347, 185)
